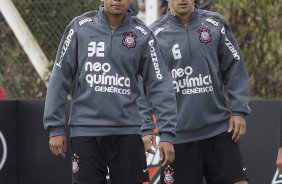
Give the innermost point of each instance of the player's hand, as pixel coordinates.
(167, 154)
(279, 160)
(150, 143)
(237, 124)
(58, 145)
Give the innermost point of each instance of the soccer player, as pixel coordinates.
(99, 59)
(212, 92)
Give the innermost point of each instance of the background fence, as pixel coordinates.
(256, 24)
(47, 20)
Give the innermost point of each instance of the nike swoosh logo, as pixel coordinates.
(144, 170)
(93, 36)
(244, 168)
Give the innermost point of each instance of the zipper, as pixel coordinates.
(112, 34)
(187, 33)
(189, 41)
(111, 37)
(111, 40)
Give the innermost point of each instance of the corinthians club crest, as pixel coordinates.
(129, 40)
(75, 160)
(168, 175)
(205, 36)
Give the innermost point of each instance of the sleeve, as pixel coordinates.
(159, 89)
(145, 110)
(233, 72)
(60, 83)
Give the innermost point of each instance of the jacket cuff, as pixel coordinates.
(239, 114)
(148, 132)
(166, 137)
(56, 131)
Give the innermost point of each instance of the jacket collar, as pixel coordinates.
(176, 19)
(102, 15)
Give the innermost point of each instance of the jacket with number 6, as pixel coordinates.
(99, 66)
(204, 61)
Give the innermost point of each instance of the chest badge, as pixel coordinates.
(168, 175)
(75, 166)
(204, 35)
(129, 40)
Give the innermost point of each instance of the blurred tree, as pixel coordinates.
(47, 20)
(257, 26)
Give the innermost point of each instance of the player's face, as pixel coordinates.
(116, 7)
(181, 7)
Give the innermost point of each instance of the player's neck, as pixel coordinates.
(185, 19)
(115, 20)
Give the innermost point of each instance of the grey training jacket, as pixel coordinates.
(100, 67)
(203, 59)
